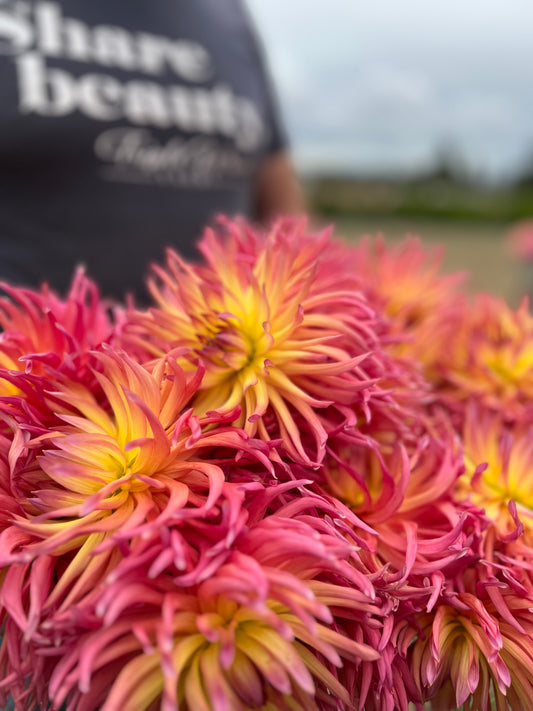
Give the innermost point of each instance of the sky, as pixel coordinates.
(379, 86)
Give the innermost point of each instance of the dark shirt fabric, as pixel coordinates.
(124, 128)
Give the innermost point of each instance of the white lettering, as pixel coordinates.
(204, 114)
(16, 33)
(55, 92)
(189, 60)
(99, 97)
(150, 53)
(50, 91)
(250, 131)
(77, 38)
(58, 37)
(181, 108)
(120, 144)
(136, 155)
(145, 104)
(48, 27)
(113, 47)
(45, 92)
(224, 109)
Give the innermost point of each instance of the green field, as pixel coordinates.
(479, 247)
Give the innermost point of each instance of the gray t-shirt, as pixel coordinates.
(124, 127)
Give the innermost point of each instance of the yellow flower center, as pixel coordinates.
(497, 486)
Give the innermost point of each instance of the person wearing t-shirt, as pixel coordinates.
(124, 128)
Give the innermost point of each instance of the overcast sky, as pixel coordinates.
(379, 85)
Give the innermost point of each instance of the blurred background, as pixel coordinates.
(414, 120)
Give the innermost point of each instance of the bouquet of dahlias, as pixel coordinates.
(301, 479)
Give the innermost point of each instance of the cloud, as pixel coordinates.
(363, 82)
(388, 85)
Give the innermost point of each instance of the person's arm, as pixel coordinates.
(277, 190)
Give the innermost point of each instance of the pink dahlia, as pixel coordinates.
(268, 628)
(277, 336)
(124, 460)
(467, 656)
(489, 357)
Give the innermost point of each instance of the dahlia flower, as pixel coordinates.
(277, 337)
(520, 240)
(45, 337)
(302, 483)
(489, 356)
(395, 277)
(499, 461)
(466, 656)
(41, 330)
(407, 496)
(124, 460)
(268, 627)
